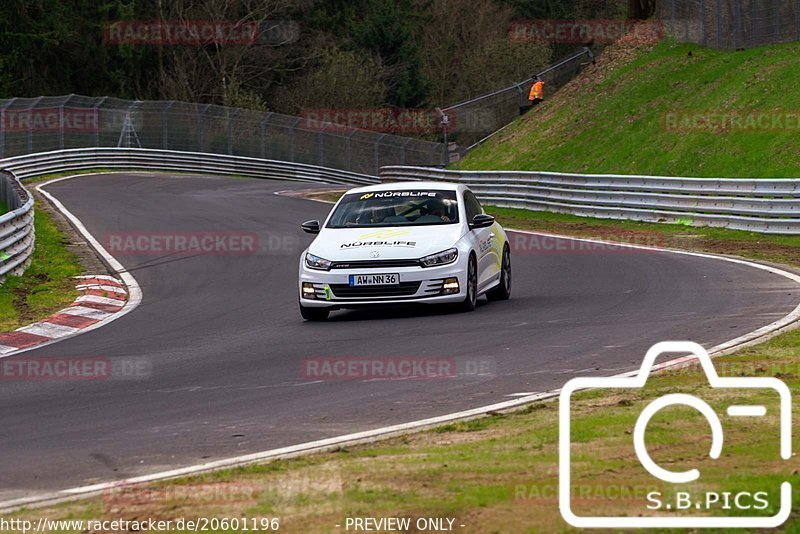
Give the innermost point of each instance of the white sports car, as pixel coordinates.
(409, 242)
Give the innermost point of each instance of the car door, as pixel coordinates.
(484, 239)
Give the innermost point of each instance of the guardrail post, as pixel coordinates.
(3, 127)
(672, 17)
(797, 19)
(377, 155)
(96, 108)
(165, 125)
(291, 138)
(201, 128)
(30, 125)
(230, 117)
(263, 134)
(703, 37)
(61, 126)
(403, 153)
(348, 155)
(321, 148)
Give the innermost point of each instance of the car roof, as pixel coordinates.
(408, 186)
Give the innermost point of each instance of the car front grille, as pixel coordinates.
(403, 289)
(374, 264)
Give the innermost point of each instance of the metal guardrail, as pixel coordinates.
(767, 206)
(17, 234)
(144, 159)
(16, 226)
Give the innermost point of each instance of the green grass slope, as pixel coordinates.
(611, 119)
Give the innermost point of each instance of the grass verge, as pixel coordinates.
(47, 285)
(634, 113)
(500, 473)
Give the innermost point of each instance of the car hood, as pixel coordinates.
(389, 243)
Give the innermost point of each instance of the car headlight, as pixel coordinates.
(440, 258)
(315, 262)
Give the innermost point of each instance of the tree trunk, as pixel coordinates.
(641, 9)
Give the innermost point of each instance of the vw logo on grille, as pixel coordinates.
(374, 254)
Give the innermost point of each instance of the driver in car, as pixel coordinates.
(437, 208)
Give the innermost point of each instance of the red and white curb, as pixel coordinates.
(101, 297)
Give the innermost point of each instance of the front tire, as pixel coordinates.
(314, 314)
(503, 289)
(471, 300)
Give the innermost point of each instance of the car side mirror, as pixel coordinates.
(310, 227)
(481, 220)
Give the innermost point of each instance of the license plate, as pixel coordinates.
(374, 280)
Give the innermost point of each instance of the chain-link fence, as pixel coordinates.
(471, 121)
(41, 124)
(731, 24)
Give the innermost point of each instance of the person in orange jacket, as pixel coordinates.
(537, 91)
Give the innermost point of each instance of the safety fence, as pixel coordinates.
(731, 24)
(471, 121)
(16, 226)
(42, 124)
(768, 206)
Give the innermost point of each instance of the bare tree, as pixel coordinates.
(641, 9)
(468, 50)
(228, 71)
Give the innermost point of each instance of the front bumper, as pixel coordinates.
(420, 285)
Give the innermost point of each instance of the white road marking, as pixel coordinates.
(110, 289)
(48, 330)
(100, 300)
(83, 311)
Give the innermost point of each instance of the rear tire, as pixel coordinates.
(503, 289)
(471, 300)
(314, 314)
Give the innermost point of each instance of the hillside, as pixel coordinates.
(613, 118)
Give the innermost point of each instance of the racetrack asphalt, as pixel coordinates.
(223, 343)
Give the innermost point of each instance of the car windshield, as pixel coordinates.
(395, 208)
